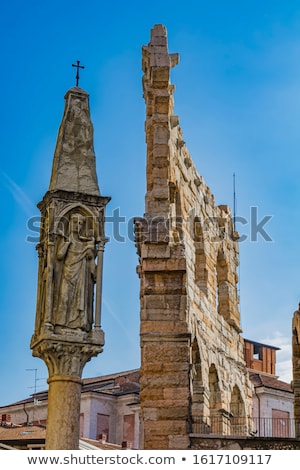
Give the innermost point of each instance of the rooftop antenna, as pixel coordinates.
(36, 402)
(35, 378)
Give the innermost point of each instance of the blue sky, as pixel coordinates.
(238, 100)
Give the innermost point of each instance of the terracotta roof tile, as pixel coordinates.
(261, 380)
(14, 432)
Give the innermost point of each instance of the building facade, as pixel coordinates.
(109, 409)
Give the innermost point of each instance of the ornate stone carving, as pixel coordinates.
(75, 275)
(69, 267)
(64, 358)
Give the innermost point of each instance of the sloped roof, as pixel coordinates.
(111, 377)
(124, 382)
(268, 381)
(14, 434)
(23, 433)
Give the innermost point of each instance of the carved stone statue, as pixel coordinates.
(74, 277)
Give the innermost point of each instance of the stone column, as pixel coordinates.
(165, 340)
(68, 318)
(63, 414)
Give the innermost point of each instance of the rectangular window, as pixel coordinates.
(102, 426)
(280, 423)
(128, 428)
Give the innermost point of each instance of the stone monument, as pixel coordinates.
(70, 251)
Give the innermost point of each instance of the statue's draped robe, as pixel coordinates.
(74, 279)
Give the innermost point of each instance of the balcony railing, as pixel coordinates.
(237, 426)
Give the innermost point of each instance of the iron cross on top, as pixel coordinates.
(77, 71)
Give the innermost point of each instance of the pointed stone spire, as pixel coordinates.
(74, 167)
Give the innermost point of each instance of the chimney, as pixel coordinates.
(102, 437)
(127, 444)
(5, 419)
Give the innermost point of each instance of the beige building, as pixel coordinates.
(273, 399)
(109, 410)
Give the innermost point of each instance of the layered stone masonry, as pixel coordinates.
(192, 353)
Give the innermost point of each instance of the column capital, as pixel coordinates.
(65, 356)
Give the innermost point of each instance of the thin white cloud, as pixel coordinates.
(18, 194)
(283, 356)
(127, 332)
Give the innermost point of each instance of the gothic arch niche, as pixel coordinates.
(201, 267)
(199, 399)
(91, 224)
(238, 425)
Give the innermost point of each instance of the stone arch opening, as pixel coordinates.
(215, 401)
(175, 223)
(199, 399)
(226, 291)
(222, 287)
(214, 389)
(238, 425)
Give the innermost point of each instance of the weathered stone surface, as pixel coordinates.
(188, 258)
(258, 443)
(74, 159)
(62, 424)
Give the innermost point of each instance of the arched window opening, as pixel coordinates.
(201, 268)
(199, 399)
(238, 416)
